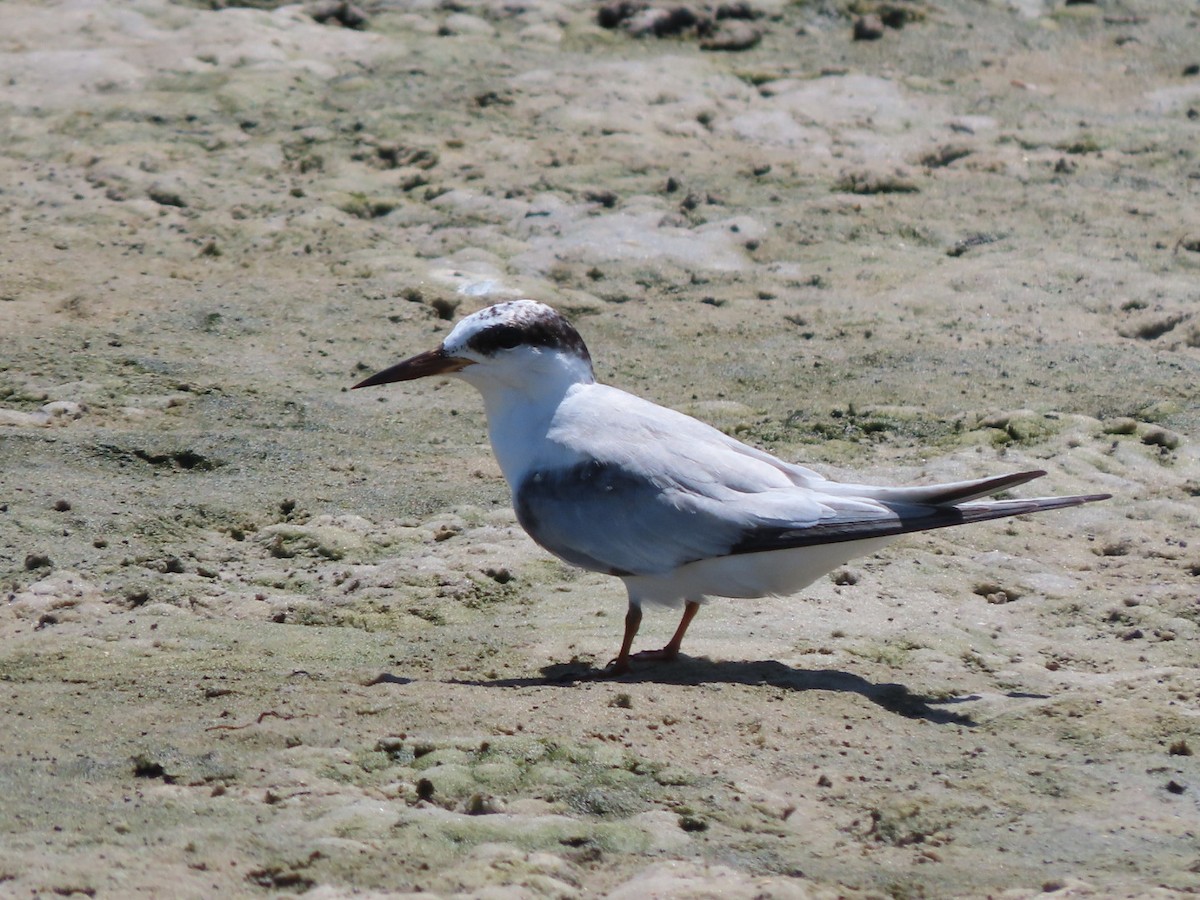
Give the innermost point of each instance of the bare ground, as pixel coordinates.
(263, 635)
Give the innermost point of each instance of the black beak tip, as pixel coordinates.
(366, 382)
(432, 362)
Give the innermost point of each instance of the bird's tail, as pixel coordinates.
(920, 508)
(998, 509)
(952, 493)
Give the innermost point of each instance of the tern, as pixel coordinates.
(673, 507)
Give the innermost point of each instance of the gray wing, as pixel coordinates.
(652, 489)
(609, 518)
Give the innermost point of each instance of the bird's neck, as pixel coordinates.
(519, 420)
(521, 399)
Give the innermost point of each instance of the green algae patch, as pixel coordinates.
(594, 780)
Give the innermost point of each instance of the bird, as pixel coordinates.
(675, 508)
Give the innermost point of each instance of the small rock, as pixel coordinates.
(875, 182)
(337, 12)
(733, 37)
(612, 14)
(994, 593)
(445, 532)
(944, 155)
(483, 805)
(499, 575)
(868, 27)
(607, 199)
(1020, 425)
(978, 239)
(64, 409)
(172, 565)
(667, 22)
(738, 9)
(1157, 436)
(1120, 425)
(164, 195)
(37, 561)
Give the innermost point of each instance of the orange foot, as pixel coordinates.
(666, 654)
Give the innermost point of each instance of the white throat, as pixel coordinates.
(520, 397)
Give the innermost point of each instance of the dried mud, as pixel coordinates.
(262, 635)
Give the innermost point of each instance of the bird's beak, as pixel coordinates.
(431, 362)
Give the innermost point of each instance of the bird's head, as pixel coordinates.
(516, 345)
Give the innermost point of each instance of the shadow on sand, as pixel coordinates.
(895, 698)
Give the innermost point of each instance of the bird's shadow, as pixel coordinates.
(895, 698)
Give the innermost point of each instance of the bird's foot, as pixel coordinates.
(615, 669)
(620, 666)
(666, 654)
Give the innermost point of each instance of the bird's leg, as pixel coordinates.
(633, 621)
(671, 650)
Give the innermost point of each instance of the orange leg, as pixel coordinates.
(633, 621)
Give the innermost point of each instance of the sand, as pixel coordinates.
(263, 635)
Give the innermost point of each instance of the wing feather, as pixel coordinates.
(646, 489)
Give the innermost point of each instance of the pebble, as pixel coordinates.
(612, 14)
(868, 27)
(1157, 436)
(869, 181)
(64, 409)
(37, 561)
(166, 195)
(844, 577)
(733, 36)
(1120, 425)
(338, 12)
(484, 805)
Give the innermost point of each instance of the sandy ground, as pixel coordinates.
(260, 635)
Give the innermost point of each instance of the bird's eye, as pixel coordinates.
(505, 337)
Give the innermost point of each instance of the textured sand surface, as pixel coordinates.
(262, 635)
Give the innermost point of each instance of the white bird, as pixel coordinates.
(675, 508)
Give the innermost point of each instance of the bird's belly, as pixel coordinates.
(749, 575)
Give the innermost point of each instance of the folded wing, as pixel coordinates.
(653, 489)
